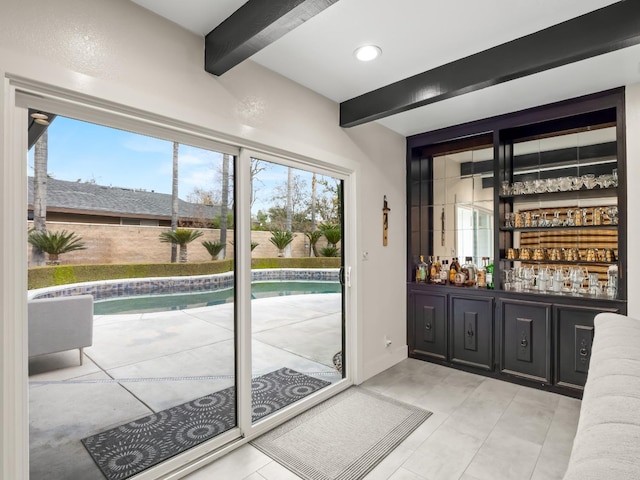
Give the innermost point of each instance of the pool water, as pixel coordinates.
(183, 301)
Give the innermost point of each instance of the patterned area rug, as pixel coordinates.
(344, 437)
(135, 446)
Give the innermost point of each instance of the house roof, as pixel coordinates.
(89, 198)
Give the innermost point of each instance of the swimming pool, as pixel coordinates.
(183, 301)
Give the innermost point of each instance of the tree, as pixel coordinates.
(204, 197)
(224, 203)
(40, 160)
(174, 200)
(281, 239)
(313, 237)
(256, 167)
(182, 237)
(55, 243)
(314, 193)
(330, 202)
(290, 204)
(333, 234)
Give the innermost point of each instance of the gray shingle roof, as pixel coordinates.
(100, 199)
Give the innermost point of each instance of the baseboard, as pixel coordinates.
(384, 362)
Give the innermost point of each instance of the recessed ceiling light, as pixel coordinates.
(41, 121)
(41, 116)
(366, 53)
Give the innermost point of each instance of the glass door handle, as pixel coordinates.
(345, 276)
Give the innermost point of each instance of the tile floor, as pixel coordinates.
(143, 363)
(481, 429)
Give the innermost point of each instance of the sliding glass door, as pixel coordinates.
(296, 293)
(153, 373)
(215, 283)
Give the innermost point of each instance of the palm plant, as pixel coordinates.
(313, 238)
(281, 238)
(330, 251)
(214, 248)
(253, 245)
(333, 233)
(182, 237)
(55, 243)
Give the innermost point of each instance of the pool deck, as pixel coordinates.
(142, 363)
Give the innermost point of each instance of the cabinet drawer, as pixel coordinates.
(471, 331)
(574, 335)
(429, 315)
(525, 342)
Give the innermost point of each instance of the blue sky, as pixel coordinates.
(88, 152)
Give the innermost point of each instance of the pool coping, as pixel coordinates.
(128, 287)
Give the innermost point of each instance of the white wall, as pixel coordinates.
(118, 52)
(632, 112)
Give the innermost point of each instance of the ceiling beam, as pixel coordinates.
(252, 27)
(601, 31)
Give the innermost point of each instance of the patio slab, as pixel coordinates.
(152, 336)
(159, 394)
(60, 414)
(145, 363)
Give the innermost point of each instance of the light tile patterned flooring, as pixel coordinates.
(481, 429)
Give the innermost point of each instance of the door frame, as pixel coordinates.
(18, 95)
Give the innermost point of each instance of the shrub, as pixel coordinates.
(281, 238)
(55, 243)
(330, 251)
(182, 237)
(332, 232)
(214, 248)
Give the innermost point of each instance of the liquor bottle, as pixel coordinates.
(421, 276)
(482, 273)
(432, 270)
(444, 272)
(470, 272)
(435, 271)
(490, 285)
(452, 271)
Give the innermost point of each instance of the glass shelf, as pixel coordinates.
(559, 227)
(561, 262)
(566, 195)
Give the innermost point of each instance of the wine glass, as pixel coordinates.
(528, 274)
(576, 277)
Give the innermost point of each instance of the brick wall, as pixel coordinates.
(140, 244)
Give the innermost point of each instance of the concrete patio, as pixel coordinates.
(143, 363)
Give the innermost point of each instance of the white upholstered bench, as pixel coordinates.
(607, 442)
(60, 324)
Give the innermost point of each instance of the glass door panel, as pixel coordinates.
(296, 293)
(153, 372)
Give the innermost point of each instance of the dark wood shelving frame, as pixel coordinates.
(565, 313)
(599, 108)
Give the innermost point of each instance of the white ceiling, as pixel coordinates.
(415, 36)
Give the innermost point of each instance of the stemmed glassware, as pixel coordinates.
(528, 274)
(576, 277)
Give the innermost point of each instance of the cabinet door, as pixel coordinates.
(525, 341)
(573, 336)
(428, 325)
(471, 331)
